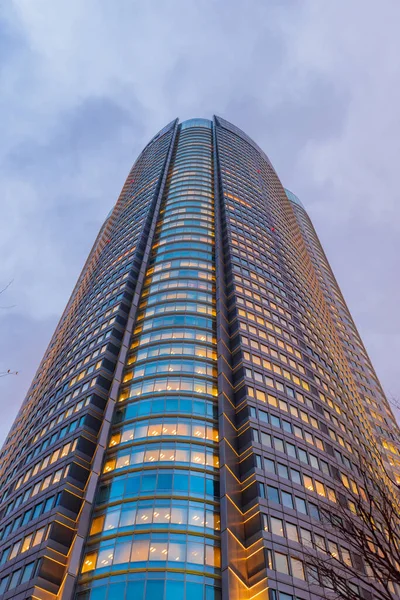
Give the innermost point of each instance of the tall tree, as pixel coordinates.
(367, 517)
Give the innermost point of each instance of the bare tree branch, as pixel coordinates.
(9, 372)
(7, 286)
(367, 519)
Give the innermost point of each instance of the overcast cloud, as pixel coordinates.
(84, 84)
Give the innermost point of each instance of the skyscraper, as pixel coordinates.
(203, 394)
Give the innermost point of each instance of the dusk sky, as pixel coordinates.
(85, 84)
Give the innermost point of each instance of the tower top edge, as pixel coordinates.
(293, 198)
(196, 122)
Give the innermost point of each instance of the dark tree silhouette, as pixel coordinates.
(367, 518)
(394, 402)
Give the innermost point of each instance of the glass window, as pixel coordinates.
(313, 576)
(320, 542)
(196, 516)
(273, 494)
(105, 557)
(16, 524)
(295, 476)
(291, 450)
(4, 556)
(48, 504)
(283, 471)
(97, 593)
(287, 426)
(28, 572)
(300, 505)
(292, 533)
(135, 589)
(297, 568)
(314, 511)
(128, 515)
(287, 499)
(346, 557)
(265, 522)
(320, 488)
(122, 552)
(275, 421)
(175, 590)
(144, 515)
(331, 494)
(15, 549)
(333, 549)
(277, 526)
(26, 542)
(3, 584)
(14, 579)
(213, 556)
(89, 562)
(111, 520)
(154, 589)
(303, 456)
(27, 517)
(38, 536)
(265, 439)
(269, 465)
(281, 563)
(57, 476)
(122, 461)
(140, 550)
(195, 553)
(324, 467)
(176, 552)
(306, 539)
(97, 525)
(308, 483)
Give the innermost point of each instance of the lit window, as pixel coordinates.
(97, 525)
(14, 550)
(281, 563)
(38, 536)
(89, 562)
(26, 543)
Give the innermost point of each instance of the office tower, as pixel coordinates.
(200, 399)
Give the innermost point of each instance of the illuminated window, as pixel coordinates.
(89, 562)
(39, 535)
(97, 525)
(26, 543)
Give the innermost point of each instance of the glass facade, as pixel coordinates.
(204, 399)
(158, 506)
